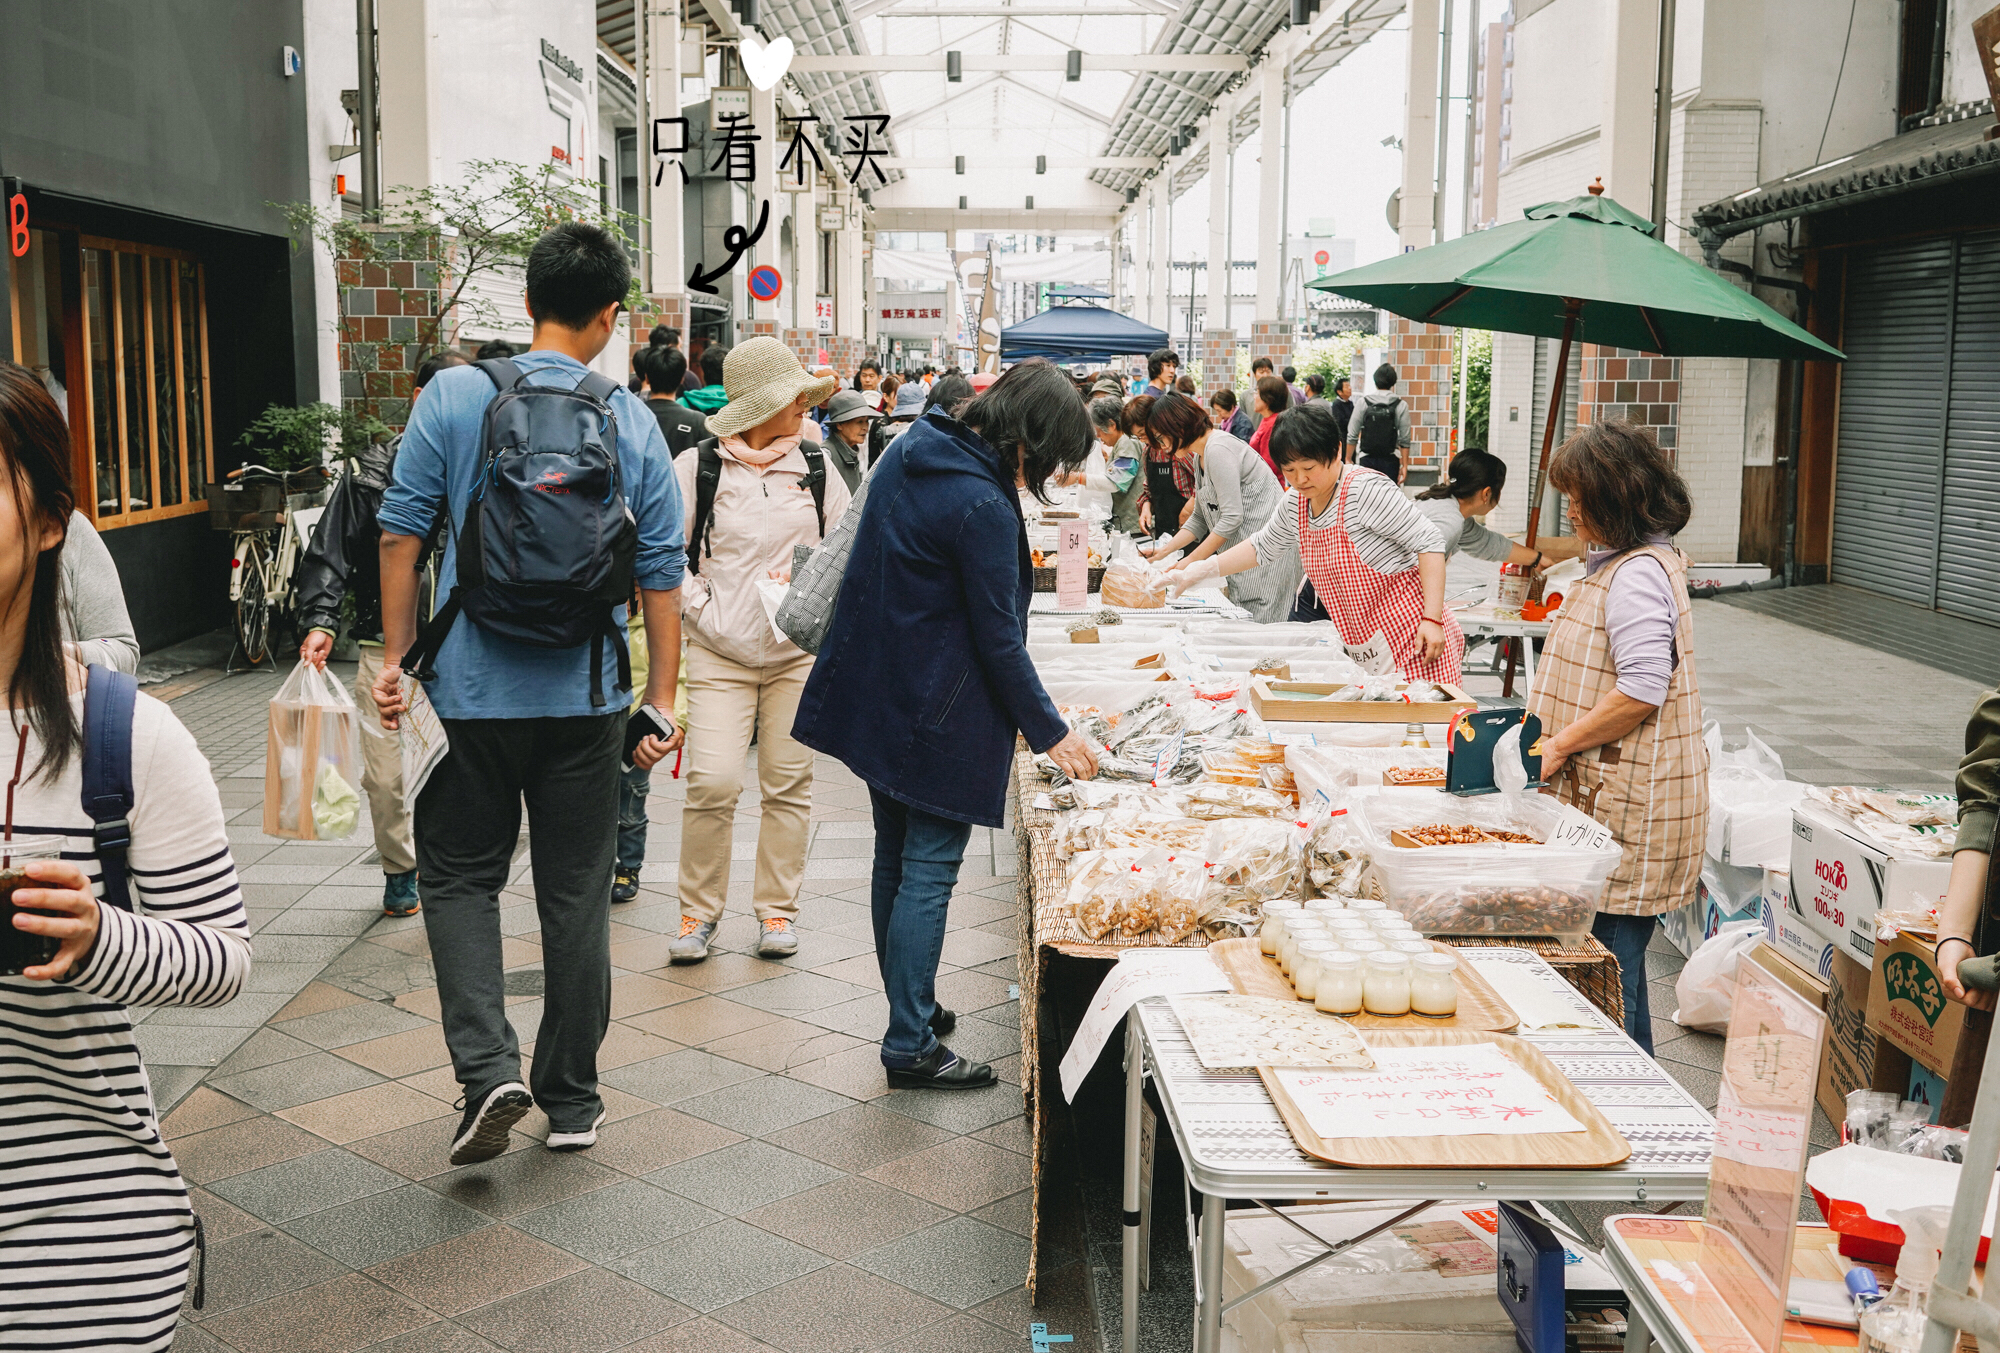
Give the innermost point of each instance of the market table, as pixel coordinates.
(1233, 1144)
(1508, 633)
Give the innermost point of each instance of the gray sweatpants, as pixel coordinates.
(468, 821)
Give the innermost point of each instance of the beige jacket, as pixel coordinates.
(759, 515)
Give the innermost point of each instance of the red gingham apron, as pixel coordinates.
(1362, 601)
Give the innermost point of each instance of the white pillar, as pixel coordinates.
(1270, 250)
(1625, 140)
(764, 119)
(408, 94)
(805, 250)
(664, 209)
(1142, 258)
(1419, 204)
(1160, 296)
(850, 306)
(1218, 214)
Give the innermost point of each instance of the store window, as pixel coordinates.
(116, 331)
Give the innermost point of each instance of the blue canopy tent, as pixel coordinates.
(1079, 333)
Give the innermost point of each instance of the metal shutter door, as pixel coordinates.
(1969, 547)
(1890, 461)
(1555, 522)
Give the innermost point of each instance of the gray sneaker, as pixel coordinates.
(692, 944)
(779, 940)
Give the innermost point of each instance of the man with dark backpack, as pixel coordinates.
(1380, 429)
(559, 497)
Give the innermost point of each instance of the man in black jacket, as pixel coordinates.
(663, 370)
(344, 559)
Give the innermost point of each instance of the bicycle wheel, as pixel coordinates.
(253, 607)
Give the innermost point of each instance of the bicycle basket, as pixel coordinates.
(249, 505)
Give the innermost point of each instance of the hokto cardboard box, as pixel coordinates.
(1907, 1004)
(1840, 879)
(1849, 1060)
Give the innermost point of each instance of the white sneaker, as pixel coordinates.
(576, 1141)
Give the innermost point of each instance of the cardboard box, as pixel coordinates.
(1789, 935)
(1807, 985)
(1849, 1060)
(1840, 879)
(1907, 1004)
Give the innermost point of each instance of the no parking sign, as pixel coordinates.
(765, 283)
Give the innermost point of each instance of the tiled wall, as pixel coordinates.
(1422, 354)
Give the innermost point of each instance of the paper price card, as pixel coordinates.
(1072, 565)
(1762, 1120)
(1581, 832)
(1473, 1089)
(1139, 974)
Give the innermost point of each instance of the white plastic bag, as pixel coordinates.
(1706, 987)
(312, 761)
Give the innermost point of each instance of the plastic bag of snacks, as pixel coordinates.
(1211, 801)
(1251, 860)
(1130, 581)
(1129, 893)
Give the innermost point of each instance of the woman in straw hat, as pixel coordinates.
(766, 491)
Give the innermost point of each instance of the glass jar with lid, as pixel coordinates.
(1296, 931)
(1434, 984)
(1337, 986)
(1386, 986)
(1273, 928)
(1409, 948)
(1305, 968)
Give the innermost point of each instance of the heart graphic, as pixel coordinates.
(764, 63)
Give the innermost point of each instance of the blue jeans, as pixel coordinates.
(917, 855)
(633, 786)
(1627, 937)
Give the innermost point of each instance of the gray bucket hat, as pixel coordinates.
(846, 406)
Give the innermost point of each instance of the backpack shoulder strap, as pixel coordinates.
(707, 474)
(501, 371)
(598, 386)
(815, 454)
(108, 703)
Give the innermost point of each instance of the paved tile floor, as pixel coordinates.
(759, 1187)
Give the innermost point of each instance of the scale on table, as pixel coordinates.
(1470, 743)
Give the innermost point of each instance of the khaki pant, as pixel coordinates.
(725, 701)
(382, 772)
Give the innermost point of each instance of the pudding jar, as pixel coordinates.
(1409, 948)
(1366, 908)
(1434, 984)
(1364, 947)
(1337, 987)
(1273, 929)
(1386, 918)
(1305, 968)
(1386, 986)
(1295, 932)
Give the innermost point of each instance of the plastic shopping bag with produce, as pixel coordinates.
(312, 760)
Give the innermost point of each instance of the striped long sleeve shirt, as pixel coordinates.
(96, 1236)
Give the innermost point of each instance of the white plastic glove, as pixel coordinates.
(1189, 575)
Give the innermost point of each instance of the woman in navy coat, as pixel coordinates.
(924, 678)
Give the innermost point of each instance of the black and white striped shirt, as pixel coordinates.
(1387, 530)
(96, 1237)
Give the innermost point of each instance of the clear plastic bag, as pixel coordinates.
(312, 761)
(1127, 894)
(1131, 582)
(1251, 860)
(1210, 802)
(1706, 988)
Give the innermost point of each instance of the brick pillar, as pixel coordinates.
(804, 344)
(389, 284)
(1217, 356)
(747, 329)
(1421, 354)
(1272, 339)
(669, 310)
(1638, 387)
(845, 351)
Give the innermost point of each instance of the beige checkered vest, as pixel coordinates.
(1651, 786)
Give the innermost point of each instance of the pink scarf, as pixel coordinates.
(773, 452)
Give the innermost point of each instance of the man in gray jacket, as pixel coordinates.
(1380, 430)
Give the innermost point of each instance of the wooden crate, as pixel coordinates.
(1268, 698)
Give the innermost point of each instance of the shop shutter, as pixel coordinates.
(1554, 523)
(1890, 460)
(1969, 543)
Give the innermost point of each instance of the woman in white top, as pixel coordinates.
(1472, 489)
(1234, 496)
(1375, 562)
(96, 1235)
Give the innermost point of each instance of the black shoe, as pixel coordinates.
(482, 1133)
(943, 1022)
(942, 1070)
(625, 885)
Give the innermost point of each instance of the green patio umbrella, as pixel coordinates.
(1582, 269)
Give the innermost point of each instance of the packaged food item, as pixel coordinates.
(1280, 780)
(1212, 801)
(1431, 777)
(1131, 581)
(1259, 750)
(1133, 893)
(1519, 909)
(1251, 860)
(1125, 827)
(1446, 834)
(1225, 767)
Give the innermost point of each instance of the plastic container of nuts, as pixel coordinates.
(1549, 885)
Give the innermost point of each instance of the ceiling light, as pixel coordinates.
(954, 67)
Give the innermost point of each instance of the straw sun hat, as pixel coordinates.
(761, 377)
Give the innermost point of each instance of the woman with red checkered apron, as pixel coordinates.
(1375, 561)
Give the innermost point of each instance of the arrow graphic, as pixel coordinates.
(736, 239)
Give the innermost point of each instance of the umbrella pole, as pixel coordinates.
(1570, 311)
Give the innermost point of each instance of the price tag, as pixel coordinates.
(1581, 832)
(1169, 754)
(1072, 565)
(1373, 657)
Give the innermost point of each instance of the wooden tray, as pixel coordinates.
(1268, 698)
(1597, 1146)
(1252, 972)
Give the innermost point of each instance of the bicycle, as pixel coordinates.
(269, 528)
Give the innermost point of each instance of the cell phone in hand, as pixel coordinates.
(646, 722)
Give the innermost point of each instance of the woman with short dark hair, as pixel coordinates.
(1616, 691)
(1375, 564)
(924, 678)
(1234, 496)
(1471, 488)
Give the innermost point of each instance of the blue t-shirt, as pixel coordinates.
(481, 676)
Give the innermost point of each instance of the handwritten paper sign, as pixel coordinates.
(1139, 975)
(1763, 1118)
(1072, 565)
(1470, 1090)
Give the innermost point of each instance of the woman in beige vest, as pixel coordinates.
(1617, 695)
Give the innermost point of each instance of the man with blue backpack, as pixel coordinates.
(559, 496)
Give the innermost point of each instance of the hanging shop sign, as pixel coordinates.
(727, 102)
(823, 314)
(17, 216)
(831, 218)
(917, 314)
